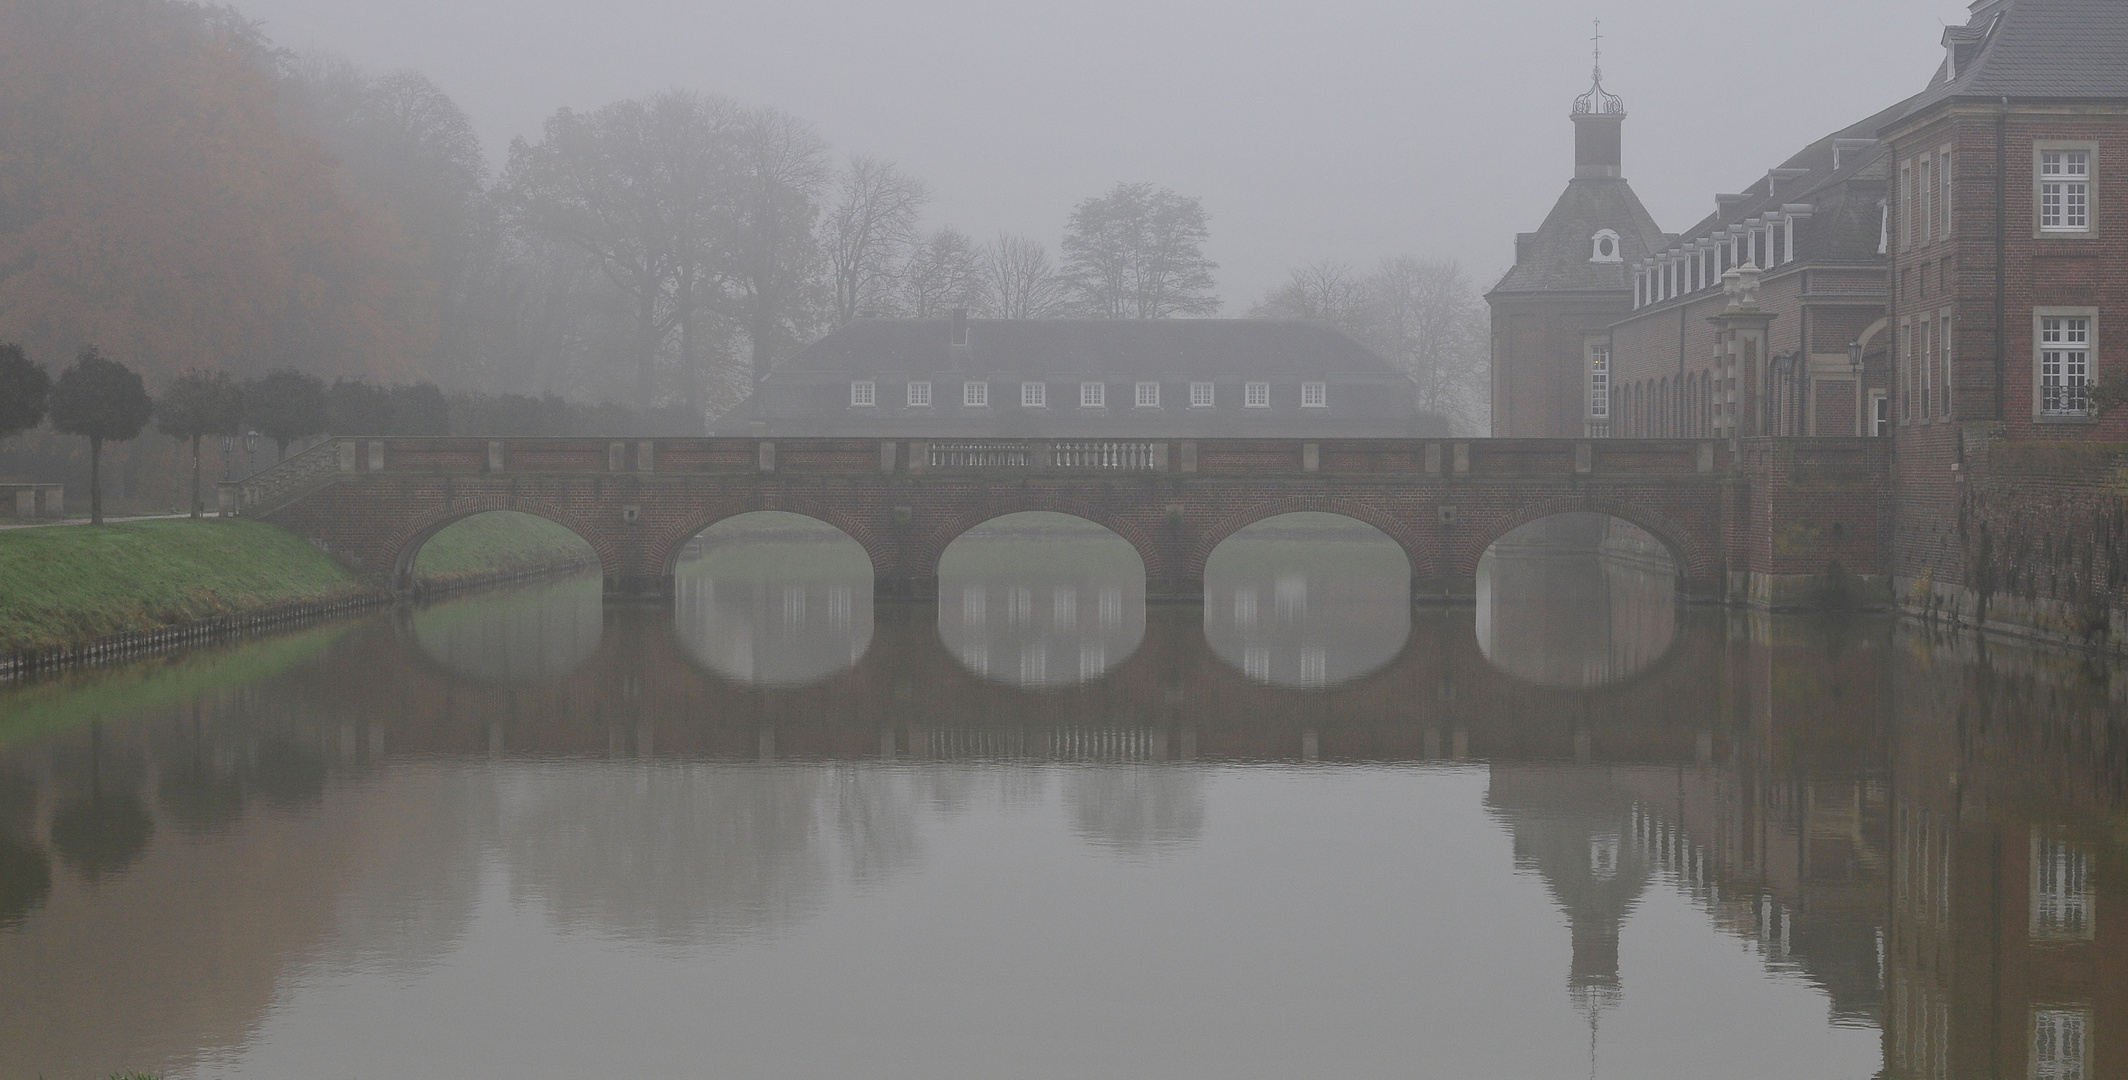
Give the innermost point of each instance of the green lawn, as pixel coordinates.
(68, 585)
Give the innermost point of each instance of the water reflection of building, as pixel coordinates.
(1307, 600)
(774, 603)
(1041, 600)
(1576, 599)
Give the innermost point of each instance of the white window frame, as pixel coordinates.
(1146, 396)
(1256, 395)
(864, 393)
(2061, 1043)
(1034, 395)
(2063, 200)
(1315, 395)
(2060, 898)
(975, 394)
(1599, 382)
(1906, 204)
(1943, 350)
(2064, 362)
(920, 394)
(1925, 191)
(1203, 395)
(1093, 395)
(1596, 242)
(1907, 411)
(1944, 188)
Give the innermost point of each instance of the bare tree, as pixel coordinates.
(770, 251)
(1022, 282)
(1138, 253)
(1325, 292)
(1428, 319)
(943, 272)
(872, 222)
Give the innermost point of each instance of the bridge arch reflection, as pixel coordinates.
(1041, 599)
(1577, 599)
(773, 598)
(1307, 599)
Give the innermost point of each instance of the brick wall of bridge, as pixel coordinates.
(1761, 526)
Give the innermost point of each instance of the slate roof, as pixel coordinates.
(1845, 221)
(1555, 258)
(2053, 49)
(1124, 348)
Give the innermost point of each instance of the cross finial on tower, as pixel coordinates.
(1597, 100)
(1597, 40)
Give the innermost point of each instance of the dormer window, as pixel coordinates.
(864, 393)
(1603, 247)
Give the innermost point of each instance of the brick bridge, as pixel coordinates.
(1758, 521)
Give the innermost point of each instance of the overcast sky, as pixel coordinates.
(1331, 129)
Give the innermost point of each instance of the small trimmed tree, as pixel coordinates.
(102, 401)
(199, 404)
(24, 391)
(286, 405)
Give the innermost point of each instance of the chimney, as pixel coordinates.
(960, 326)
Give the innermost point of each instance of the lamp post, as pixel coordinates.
(251, 452)
(228, 451)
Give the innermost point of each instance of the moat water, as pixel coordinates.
(1044, 829)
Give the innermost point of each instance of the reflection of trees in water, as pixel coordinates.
(1576, 599)
(420, 883)
(1307, 600)
(674, 853)
(1041, 600)
(25, 869)
(519, 635)
(104, 827)
(1136, 808)
(774, 599)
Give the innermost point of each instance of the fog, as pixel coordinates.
(1334, 130)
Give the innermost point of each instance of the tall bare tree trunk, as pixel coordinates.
(95, 481)
(198, 508)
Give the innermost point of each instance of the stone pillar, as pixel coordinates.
(1741, 329)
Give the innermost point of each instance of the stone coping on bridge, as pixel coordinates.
(1751, 521)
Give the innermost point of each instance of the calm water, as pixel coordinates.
(1040, 829)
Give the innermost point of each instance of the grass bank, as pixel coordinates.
(67, 586)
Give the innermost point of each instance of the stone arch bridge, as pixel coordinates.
(1758, 521)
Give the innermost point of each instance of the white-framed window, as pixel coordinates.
(1880, 415)
(1314, 395)
(1256, 395)
(1943, 190)
(1093, 395)
(2064, 189)
(920, 395)
(2061, 890)
(1603, 247)
(1201, 395)
(1943, 345)
(975, 394)
(1928, 365)
(864, 392)
(2058, 1044)
(1034, 395)
(2064, 355)
(1925, 189)
(1906, 205)
(1148, 395)
(1599, 382)
(1906, 371)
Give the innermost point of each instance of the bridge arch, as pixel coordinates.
(933, 547)
(406, 545)
(1692, 560)
(1200, 553)
(670, 543)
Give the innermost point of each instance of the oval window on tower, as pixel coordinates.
(1603, 247)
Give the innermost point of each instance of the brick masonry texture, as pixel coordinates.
(1785, 511)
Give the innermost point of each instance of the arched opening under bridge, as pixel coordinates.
(1307, 599)
(1041, 599)
(773, 598)
(489, 544)
(1577, 599)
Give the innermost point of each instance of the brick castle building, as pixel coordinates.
(1939, 273)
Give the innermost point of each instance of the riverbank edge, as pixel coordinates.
(259, 620)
